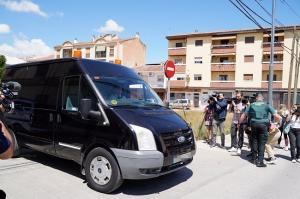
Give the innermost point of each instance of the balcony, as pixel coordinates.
(177, 83)
(278, 46)
(278, 65)
(223, 49)
(218, 67)
(177, 51)
(222, 84)
(276, 84)
(180, 68)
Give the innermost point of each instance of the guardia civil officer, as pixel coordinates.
(259, 115)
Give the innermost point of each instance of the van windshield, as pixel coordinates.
(127, 92)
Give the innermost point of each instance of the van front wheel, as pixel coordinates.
(102, 171)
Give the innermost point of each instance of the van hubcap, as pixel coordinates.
(100, 170)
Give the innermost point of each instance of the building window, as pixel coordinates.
(179, 45)
(249, 40)
(67, 53)
(274, 77)
(160, 78)
(198, 60)
(223, 77)
(178, 61)
(224, 41)
(248, 77)
(197, 77)
(87, 52)
(224, 59)
(100, 52)
(275, 39)
(249, 58)
(198, 42)
(180, 78)
(111, 51)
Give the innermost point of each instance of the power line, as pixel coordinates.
(281, 24)
(249, 16)
(254, 12)
(290, 7)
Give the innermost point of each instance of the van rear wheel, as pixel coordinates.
(102, 171)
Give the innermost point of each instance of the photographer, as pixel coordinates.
(237, 140)
(6, 147)
(219, 115)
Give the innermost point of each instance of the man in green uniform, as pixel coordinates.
(259, 115)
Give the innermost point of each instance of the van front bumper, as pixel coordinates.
(148, 164)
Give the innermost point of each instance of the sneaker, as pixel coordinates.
(272, 161)
(232, 149)
(261, 164)
(238, 152)
(286, 148)
(293, 161)
(298, 160)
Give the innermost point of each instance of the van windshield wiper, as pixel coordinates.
(125, 105)
(151, 104)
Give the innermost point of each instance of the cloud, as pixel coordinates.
(4, 29)
(110, 26)
(23, 47)
(23, 6)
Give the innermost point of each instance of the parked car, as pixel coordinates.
(181, 103)
(101, 115)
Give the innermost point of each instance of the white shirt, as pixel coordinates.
(295, 122)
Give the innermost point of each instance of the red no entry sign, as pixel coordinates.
(169, 69)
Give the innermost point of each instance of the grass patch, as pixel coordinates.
(195, 118)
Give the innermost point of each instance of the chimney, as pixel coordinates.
(137, 35)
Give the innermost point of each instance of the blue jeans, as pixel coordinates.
(218, 124)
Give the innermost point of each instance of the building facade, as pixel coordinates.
(227, 61)
(129, 52)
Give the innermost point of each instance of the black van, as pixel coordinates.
(100, 115)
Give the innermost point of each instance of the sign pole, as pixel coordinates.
(169, 69)
(168, 92)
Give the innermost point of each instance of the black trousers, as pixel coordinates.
(237, 140)
(259, 139)
(294, 136)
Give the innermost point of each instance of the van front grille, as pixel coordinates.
(177, 143)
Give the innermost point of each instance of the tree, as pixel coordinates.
(2, 65)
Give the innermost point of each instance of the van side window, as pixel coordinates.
(71, 94)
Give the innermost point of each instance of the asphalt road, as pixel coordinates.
(214, 173)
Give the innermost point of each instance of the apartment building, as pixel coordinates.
(226, 61)
(130, 52)
(154, 75)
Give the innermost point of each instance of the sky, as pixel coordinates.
(34, 27)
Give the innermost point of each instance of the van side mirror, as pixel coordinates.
(85, 107)
(86, 112)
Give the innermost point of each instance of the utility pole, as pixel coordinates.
(271, 72)
(296, 72)
(291, 71)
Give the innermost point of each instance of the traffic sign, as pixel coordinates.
(169, 69)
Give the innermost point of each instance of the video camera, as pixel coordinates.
(212, 97)
(10, 91)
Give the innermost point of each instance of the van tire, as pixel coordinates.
(16, 147)
(110, 164)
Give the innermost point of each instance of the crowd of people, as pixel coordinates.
(264, 126)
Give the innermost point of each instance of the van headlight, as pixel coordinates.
(145, 138)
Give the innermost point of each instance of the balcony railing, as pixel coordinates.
(275, 84)
(223, 49)
(177, 51)
(222, 84)
(180, 68)
(229, 66)
(278, 46)
(278, 65)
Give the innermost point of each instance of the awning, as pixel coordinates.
(276, 34)
(100, 48)
(224, 37)
(275, 52)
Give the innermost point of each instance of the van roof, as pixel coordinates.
(89, 66)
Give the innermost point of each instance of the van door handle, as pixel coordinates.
(58, 118)
(51, 117)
